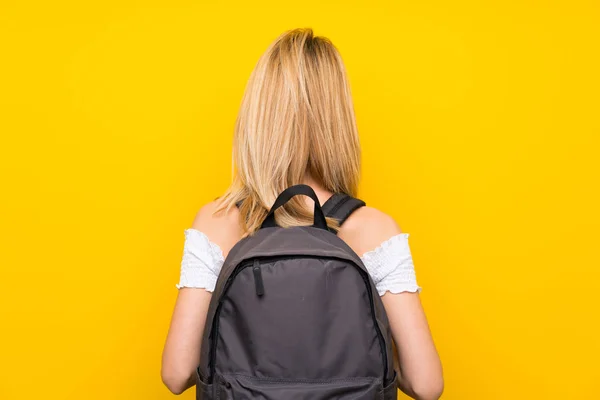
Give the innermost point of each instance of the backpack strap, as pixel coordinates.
(286, 195)
(340, 206)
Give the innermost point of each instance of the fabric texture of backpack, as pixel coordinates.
(296, 316)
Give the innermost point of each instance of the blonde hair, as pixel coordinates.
(296, 118)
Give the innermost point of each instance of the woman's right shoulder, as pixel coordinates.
(222, 228)
(367, 228)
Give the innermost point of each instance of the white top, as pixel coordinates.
(390, 264)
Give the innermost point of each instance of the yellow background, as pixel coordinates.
(480, 129)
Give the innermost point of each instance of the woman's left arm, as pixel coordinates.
(207, 243)
(182, 347)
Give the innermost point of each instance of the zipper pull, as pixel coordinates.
(258, 280)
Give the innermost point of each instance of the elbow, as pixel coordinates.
(176, 381)
(429, 393)
(428, 389)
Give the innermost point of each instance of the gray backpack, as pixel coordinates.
(296, 316)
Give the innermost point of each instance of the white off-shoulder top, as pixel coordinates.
(390, 264)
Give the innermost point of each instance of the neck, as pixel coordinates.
(322, 193)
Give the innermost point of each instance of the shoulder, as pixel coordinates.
(367, 228)
(222, 228)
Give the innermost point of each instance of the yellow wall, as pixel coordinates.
(480, 129)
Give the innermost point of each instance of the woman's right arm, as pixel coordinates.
(418, 363)
(420, 370)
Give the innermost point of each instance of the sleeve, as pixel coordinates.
(201, 262)
(391, 266)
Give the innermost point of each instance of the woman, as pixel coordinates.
(297, 125)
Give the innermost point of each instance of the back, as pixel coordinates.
(362, 231)
(295, 315)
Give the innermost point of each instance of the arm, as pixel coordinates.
(181, 352)
(417, 362)
(182, 347)
(420, 369)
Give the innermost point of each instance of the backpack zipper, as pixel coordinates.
(258, 280)
(255, 262)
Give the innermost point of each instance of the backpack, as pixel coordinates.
(296, 316)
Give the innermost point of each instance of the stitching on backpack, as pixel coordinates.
(315, 381)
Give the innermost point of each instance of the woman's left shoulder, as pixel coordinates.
(222, 228)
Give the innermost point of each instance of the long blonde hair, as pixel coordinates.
(296, 118)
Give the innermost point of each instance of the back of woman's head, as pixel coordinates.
(296, 120)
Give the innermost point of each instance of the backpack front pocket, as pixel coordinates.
(242, 387)
(204, 390)
(390, 392)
